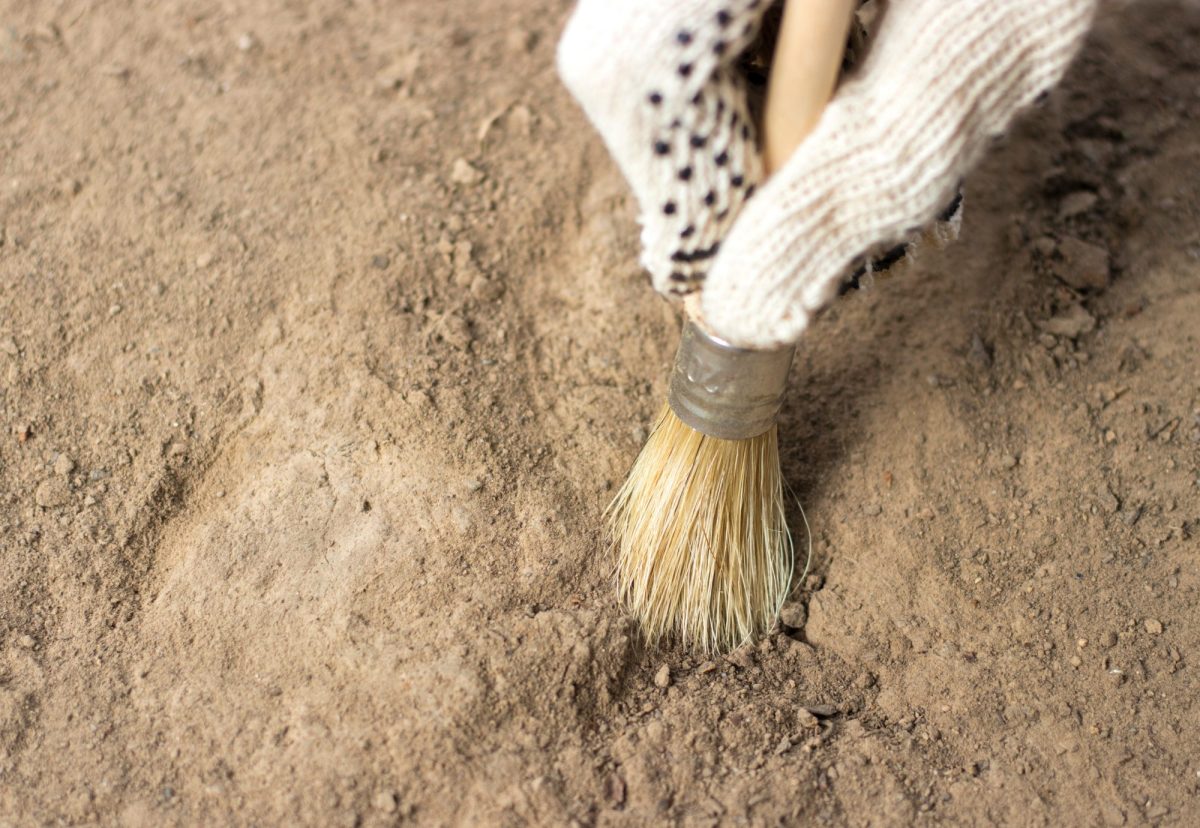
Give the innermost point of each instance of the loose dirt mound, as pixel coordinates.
(323, 346)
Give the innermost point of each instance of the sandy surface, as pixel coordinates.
(323, 346)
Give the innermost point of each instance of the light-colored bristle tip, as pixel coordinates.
(704, 555)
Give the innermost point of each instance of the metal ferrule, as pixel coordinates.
(724, 391)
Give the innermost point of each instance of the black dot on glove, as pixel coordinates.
(661, 147)
(685, 69)
(678, 277)
(685, 174)
(719, 47)
(698, 141)
(737, 181)
(669, 208)
(890, 258)
(683, 37)
(952, 207)
(710, 198)
(655, 98)
(687, 232)
(724, 17)
(722, 159)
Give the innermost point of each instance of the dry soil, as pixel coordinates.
(323, 347)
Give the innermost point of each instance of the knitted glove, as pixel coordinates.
(943, 77)
(659, 79)
(663, 83)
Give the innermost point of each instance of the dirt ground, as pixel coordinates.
(323, 347)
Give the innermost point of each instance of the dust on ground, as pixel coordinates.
(323, 346)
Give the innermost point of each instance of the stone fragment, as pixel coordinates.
(1084, 266)
(1072, 322)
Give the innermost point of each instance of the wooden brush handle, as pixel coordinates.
(804, 69)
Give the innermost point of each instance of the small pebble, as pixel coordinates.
(1045, 246)
(1157, 811)
(463, 173)
(1085, 266)
(805, 718)
(742, 657)
(204, 260)
(385, 801)
(614, 789)
(25, 641)
(63, 465)
(793, 615)
(380, 262)
(1073, 204)
(9, 346)
(662, 678)
(1153, 626)
(1072, 322)
(246, 41)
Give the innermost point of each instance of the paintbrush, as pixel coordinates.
(703, 550)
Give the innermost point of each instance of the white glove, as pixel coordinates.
(942, 78)
(658, 79)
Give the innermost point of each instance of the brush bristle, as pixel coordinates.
(703, 549)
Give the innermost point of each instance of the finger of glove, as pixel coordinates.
(658, 82)
(887, 154)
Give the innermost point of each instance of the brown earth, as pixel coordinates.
(322, 348)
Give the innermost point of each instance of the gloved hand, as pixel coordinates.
(661, 82)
